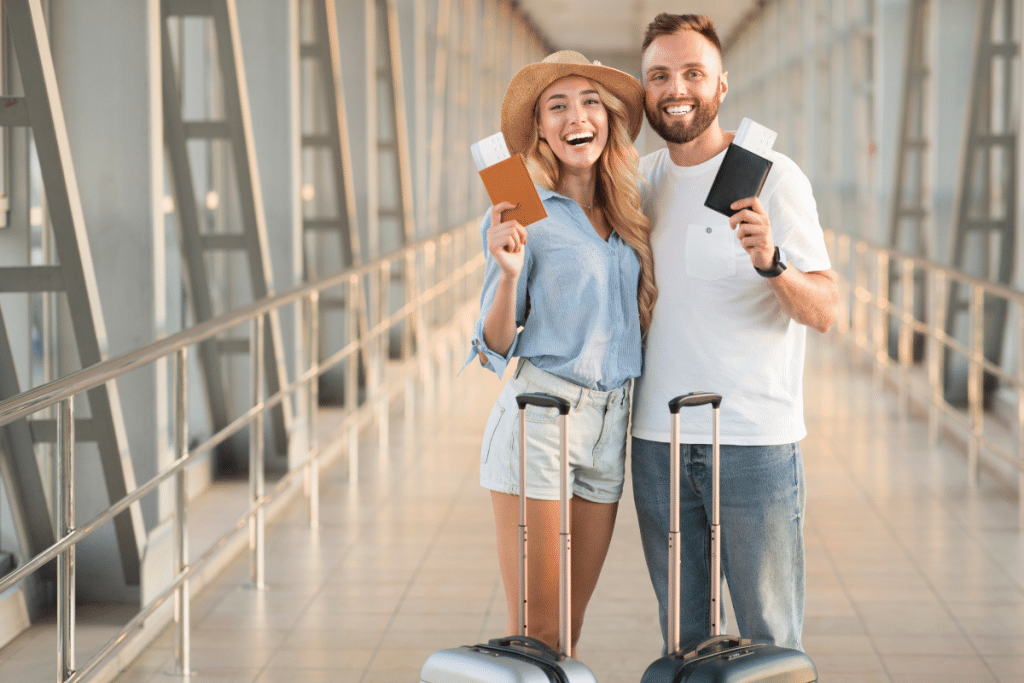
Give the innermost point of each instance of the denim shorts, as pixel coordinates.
(596, 436)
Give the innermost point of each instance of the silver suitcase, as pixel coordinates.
(521, 659)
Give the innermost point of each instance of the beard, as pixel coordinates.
(678, 132)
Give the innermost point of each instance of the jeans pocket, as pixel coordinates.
(539, 414)
(492, 431)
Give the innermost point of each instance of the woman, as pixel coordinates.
(573, 306)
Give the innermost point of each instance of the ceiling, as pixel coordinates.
(612, 30)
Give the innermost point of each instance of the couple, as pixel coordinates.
(577, 306)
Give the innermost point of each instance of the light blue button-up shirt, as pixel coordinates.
(584, 322)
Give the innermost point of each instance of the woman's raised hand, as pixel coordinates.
(506, 240)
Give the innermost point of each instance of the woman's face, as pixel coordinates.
(574, 122)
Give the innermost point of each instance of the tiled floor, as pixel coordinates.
(911, 575)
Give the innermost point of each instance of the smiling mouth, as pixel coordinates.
(678, 109)
(577, 139)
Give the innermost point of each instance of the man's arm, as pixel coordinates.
(812, 298)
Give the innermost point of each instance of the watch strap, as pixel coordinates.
(778, 265)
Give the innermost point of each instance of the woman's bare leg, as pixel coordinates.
(592, 525)
(541, 566)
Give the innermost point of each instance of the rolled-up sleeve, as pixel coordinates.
(489, 358)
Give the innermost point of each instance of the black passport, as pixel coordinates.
(741, 175)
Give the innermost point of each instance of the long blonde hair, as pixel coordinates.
(617, 191)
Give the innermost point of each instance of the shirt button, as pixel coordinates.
(709, 231)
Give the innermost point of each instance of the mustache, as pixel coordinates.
(668, 101)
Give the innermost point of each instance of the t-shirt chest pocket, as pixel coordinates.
(710, 251)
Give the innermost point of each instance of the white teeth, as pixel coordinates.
(579, 137)
(679, 109)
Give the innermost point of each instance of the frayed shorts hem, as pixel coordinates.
(547, 494)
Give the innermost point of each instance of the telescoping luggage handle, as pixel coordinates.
(697, 398)
(564, 625)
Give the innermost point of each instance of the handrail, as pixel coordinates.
(34, 400)
(873, 307)
(439, 287)
(927, 264)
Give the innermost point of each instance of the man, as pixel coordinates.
(735, 298)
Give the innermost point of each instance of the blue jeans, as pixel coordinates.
(762, 509)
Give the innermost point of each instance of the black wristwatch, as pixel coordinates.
(778, 265)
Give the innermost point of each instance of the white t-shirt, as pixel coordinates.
(717, 326)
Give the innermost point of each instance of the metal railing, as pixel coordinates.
(885, 293)
(441, 277)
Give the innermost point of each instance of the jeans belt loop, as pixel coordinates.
(519, 367)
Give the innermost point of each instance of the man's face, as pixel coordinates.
(685, 84)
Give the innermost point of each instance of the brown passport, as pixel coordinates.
(509, 181)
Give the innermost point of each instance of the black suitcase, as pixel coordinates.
(520, 659)
(720, 658)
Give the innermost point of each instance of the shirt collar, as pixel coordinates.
(551, 194)
(548, 194)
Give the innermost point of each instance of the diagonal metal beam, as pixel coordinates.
(46, 117)
(910, 221)
(236, 130)
(987, 207)
(197, 283)
(325, 52)
(24, 482)
(394, 81)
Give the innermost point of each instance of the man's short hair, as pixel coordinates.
(666, 24)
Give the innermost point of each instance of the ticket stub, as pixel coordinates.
(489, 151)
(754, 137)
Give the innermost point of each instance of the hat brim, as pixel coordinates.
(517, 109)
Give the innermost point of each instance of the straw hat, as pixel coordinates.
(517, 109)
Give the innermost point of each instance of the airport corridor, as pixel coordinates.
(912, 576)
